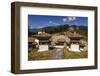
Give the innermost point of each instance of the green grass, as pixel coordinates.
(74, 55)
(32, 50)
(34, 54)
(40, 55)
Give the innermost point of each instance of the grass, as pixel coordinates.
(74, 55)
(33, 54)
(32, 50)
(40, 55)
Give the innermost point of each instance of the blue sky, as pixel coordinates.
(39, 21)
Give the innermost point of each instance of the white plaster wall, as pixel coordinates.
(74, 47)
(43, 48)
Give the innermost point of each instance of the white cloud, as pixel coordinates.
(40, 26)
(30, 26)
(64, 19)
(51, 22)
(71, 18)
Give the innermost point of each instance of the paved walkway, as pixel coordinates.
(58, 54)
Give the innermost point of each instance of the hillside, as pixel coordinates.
(61, 28)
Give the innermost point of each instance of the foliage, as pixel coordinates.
(74, 55)
(40, 55)
(32, 50)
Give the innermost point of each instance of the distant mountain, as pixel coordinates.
(50, 29)
(34, 30)
(59, 28)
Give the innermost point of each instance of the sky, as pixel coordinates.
(39, 21)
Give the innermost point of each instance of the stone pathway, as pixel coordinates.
(58, 54)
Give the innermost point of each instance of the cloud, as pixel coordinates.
(64, 19)
(71, 18)
(51, 22)
(35, 26)
(39, 26)
(31, 27)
